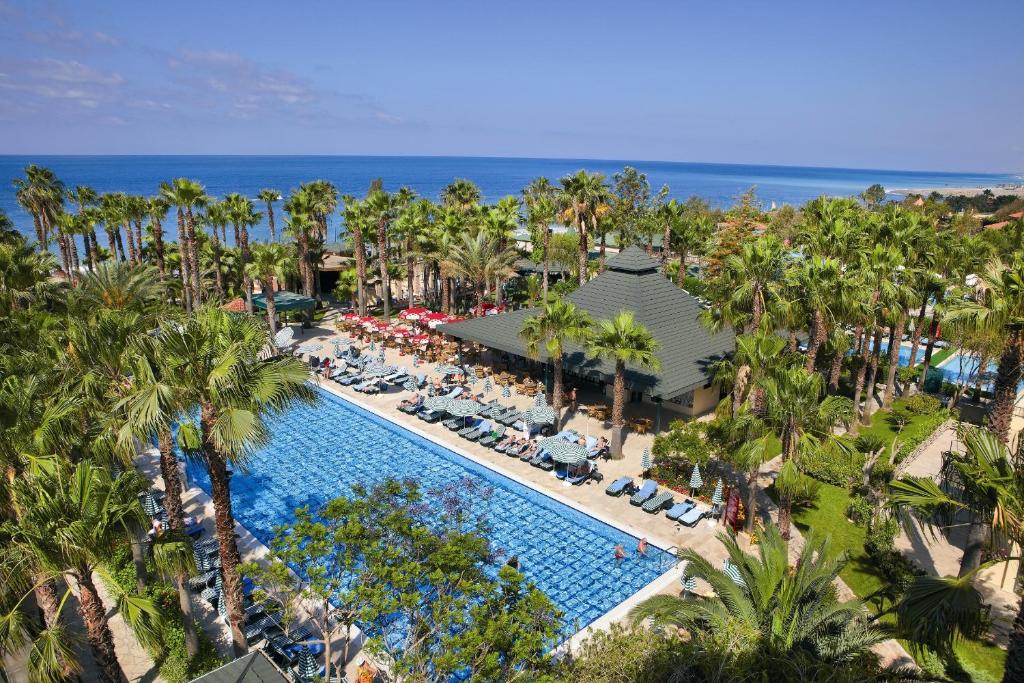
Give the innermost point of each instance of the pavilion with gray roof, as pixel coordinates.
(632, 281)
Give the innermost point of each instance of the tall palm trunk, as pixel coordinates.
(176, 520)
(133, 254)
(557, 390)
(1008, 376)
(183, 263)
(112, 243)
(752, 489)
(618, 408)
(681, 275)
(268, 293)
(65, 256)
(40, 235)
(224, 521)
(894, 359)
(410, 271)
(94, 250)
(858, 389)
(138, 239)
(158, 245)
(76, 265)
(193, 256)
(739, 388)
(445, 293)
(583, 250)
(218, 276)
(876, 354)
(120, 244)
(270, 221)
(246, 278)
(101, 640)
(547, 260)
(817, 338)
(933, 330)
(789, 441)
(382, 261)
(601, 251)
(915, 342)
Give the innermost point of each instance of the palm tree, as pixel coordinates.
(819, 282)
(243, 215)
(75, 516)
(687, 230)
(112, 206)
(540, 197)
(381, 208)
(622, 340)
(802, 420)
(461, 194)
(86, 198)
(270, 262)
(218, 215)
(355, 221)
(25, 277)
(157, 208)
(68, 225)
(152, 405)
(187, 195)
(412, 225)
(41, 194)
(214, 362)
(985, 484)
(558, 323)
(584, 196)
(269, 196)
(480, 260)
(784, 622)
(999, 308)
(301, 207)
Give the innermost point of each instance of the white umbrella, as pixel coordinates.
(716, 497)
(284, 337)
(695, 481)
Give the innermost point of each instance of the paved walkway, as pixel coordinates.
(940, 553)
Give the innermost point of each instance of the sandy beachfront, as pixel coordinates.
(964, 191)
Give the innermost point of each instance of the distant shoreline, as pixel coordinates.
(1017, 190)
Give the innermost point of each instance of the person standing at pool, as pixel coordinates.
(572, 399)
(641, 547)
(620, 553)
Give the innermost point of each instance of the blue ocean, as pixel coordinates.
(719, 184)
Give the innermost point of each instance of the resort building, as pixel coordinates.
(632, 281)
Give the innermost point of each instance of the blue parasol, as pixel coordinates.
(733, 572)
(307, 668)
(645, 460)
(488, 386)
(716, 497)
(506, 392)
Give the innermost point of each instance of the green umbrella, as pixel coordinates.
(716, 497)
(539, 415)
(438, 403)
(733, 572)
(695, 481)
(464, 407)
(562, 451)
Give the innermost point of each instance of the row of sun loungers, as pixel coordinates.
(649, 499)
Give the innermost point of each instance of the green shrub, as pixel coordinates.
(922, 404)
(859, 510)
(882, 472)
(169, 653)
(868, 443)
(838, 470)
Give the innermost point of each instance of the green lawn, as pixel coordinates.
(942, 355)
(983, 662)
(918, 429)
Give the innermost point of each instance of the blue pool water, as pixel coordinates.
(318, 452)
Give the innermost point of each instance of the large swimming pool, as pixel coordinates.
(318, 452)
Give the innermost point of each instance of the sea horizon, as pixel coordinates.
(719, 183)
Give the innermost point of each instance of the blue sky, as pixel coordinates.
(911, 85)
